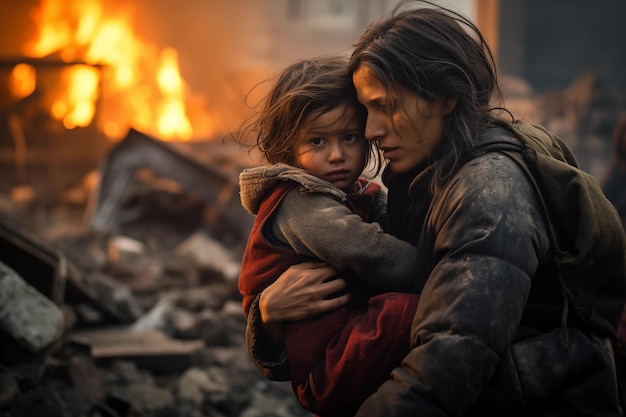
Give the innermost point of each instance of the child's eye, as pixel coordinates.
(350, 138)
(317, 141)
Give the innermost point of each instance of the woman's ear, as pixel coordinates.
(449, 105)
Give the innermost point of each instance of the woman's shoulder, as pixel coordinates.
(491, 166)
(488, 189)
(494, 178)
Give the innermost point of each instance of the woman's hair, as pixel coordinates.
(438, 54)
(303, 88)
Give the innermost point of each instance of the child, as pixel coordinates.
(311, 203)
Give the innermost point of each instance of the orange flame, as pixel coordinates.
(172, 119)
(130, 80)
(23, 80)
(54, 30)
(76, 107)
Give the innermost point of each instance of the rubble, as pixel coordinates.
(141, 325)
(33, 320)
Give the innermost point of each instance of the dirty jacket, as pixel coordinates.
(484, 235)
(299, 217)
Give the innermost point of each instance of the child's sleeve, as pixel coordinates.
(318, 226)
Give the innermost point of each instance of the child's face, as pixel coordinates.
(332, 146)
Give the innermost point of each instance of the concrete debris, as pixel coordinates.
(141, 304)
(209, 254)
(33, 320)
(114, 297)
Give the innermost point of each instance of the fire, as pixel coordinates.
(23, 80)
(76, 107)
(123, 81)
(172, 119)
(54, 31)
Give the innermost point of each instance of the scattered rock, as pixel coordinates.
(28, 316)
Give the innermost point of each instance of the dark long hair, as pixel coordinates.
(438, 54)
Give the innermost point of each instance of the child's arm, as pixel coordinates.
(319, 226)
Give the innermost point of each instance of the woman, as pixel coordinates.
(493, 333)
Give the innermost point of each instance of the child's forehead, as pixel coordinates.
(340, 118)
(347, 109)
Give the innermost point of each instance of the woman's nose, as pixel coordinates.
(374, 128)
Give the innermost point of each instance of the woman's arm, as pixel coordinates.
(302, 291)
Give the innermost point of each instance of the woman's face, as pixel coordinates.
(406, 126)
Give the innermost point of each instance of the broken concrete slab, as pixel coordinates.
(31, 318)
(137, 151)
(209, 253)
(114, 297)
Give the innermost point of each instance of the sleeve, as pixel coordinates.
(321, 227)
(487, 245)
(318, 226)
(270, 360)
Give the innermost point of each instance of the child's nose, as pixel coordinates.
(336, 152)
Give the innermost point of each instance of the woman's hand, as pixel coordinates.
(301, 292)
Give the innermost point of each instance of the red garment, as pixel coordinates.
(262, 261)
(337, 359)
(358, 347)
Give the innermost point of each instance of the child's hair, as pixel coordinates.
(308, 86)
